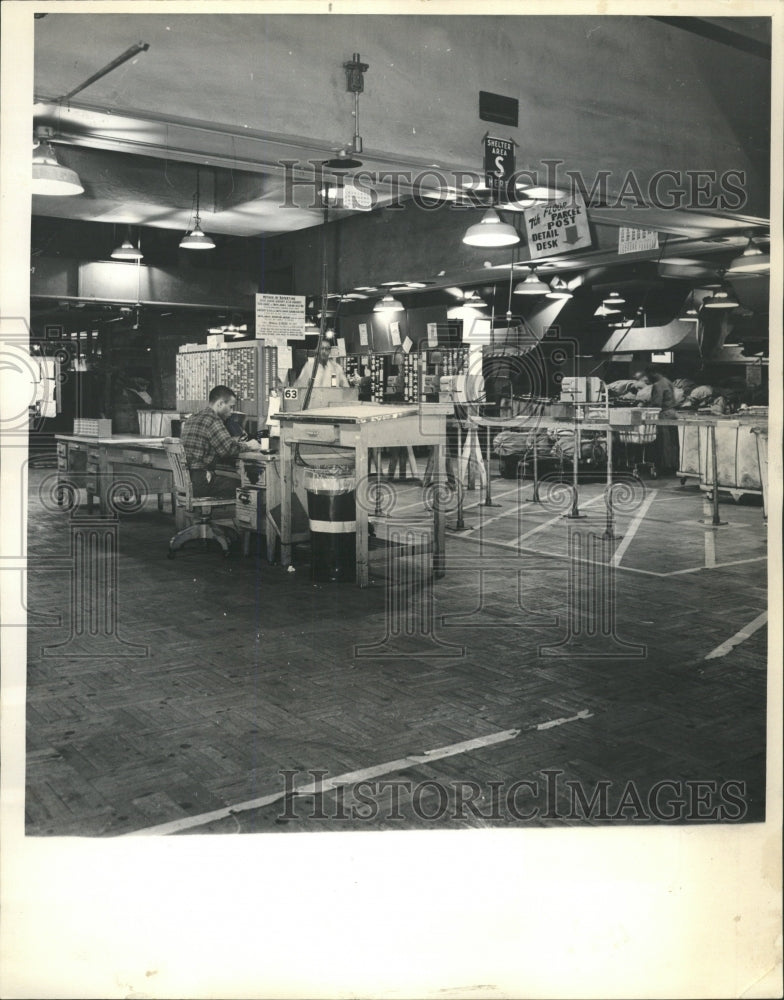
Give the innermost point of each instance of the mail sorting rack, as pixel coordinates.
(249, 368)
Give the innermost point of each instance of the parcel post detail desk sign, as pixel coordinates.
(557, 227)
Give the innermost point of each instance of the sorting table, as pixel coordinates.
(361, 427)
(114, 469)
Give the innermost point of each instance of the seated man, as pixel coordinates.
(206, 439)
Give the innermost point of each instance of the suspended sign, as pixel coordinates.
(499, 161)
(637, 240)
(557, 227)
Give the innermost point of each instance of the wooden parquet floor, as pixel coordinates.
(222, 674)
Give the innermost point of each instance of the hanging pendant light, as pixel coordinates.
(559, 290)
(388, 304)
(605, 310)
(531, 285)
(196, 239)
(751, 261)
(50, 178)
(614, 299)
(127, 251)
(491, 232)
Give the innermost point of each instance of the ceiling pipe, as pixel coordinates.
(210, 306)
(134, 50)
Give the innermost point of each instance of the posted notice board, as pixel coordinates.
(280, 317)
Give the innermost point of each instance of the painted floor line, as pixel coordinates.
(562, 556)
(737, 639)
(631, 531)
(585, 714)
(349, 778)
(552, 520)
(696, 569)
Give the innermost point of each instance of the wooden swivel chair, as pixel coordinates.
(200, 508)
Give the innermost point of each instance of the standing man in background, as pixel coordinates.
(663, 399)
(328, 372)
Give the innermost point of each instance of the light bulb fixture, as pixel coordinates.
(195, 239)
(491, 232)
(614, 299)
(127, 251)
(559, 290)
(388, 304)
(50, 178)
(531, 285)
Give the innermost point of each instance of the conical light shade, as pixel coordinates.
(342, 161)
(605, 310)
(750, 263)
(491, 232)
(50, 178)
(196, 240)
(388, 304)
(127, 251)
(559, 290)
(614, 299)
(532, 285)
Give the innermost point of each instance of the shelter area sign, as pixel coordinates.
(557, 227)
(499, 161)
(280, 317)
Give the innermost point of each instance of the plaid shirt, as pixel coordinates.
(205, 439)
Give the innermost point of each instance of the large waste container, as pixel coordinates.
(333, 527)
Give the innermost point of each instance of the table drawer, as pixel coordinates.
(318, 433)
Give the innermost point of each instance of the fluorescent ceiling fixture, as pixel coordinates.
(519, 204)
(541, 193)
(684, 262)
(50, 178)
(532, 285)
(388, 304)
(491, 232)
(127, 251)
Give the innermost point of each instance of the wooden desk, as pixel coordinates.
(360, 427)
(260, 474)
(118, 470)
